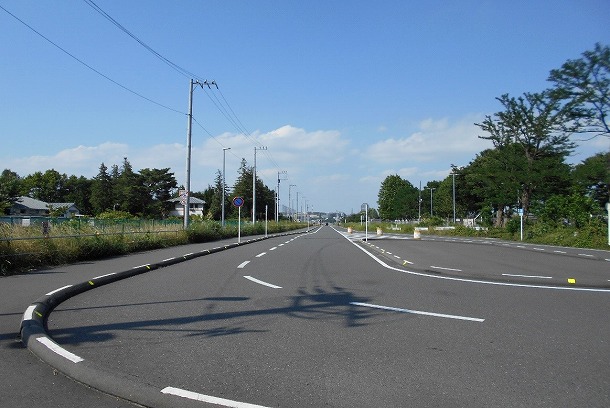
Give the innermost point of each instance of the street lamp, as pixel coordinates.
(224, 151)
(431, 190)
(290, 202)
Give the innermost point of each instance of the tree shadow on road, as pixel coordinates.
(334, 306)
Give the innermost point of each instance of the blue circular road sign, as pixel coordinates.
(238, 201)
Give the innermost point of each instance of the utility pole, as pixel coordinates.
(277, 198)
(224, 184)
(254, 185)
(290, 202)
(187, 185)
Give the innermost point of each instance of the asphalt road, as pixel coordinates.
(318, 320)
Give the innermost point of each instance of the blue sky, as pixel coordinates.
(342, 93)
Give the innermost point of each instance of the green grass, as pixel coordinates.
(25, 248)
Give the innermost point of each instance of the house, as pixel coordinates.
(195, 207)
(30, 207)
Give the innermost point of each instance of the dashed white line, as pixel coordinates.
(207, 398)
(588, 255)
(241, 265)
(261, 254)
(58, 350)
(527, 276)
(445, 269)
(260, 282)
(272, 249)
(419, 312)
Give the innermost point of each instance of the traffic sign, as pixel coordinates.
(238, 201)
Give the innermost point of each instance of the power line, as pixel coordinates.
(174, 66)
(87, 65)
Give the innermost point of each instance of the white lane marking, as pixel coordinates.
(586, 255)
(272, 249)
(482, 282)
(538, 249)
(260, 282)
(208, 398)
(560, 252)
(241, 265)
(58, 350)
(57, 290)
(527, 276)
(29, 313)
(281, 245)
(445, 269)
(103, 276)
(419, 312)
(261, 254)
(168, 259)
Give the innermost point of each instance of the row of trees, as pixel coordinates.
(121, 189)
(526, 169)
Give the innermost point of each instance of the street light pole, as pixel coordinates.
(431, 190)
(224, 185)
(453, 174)
(290, 202)
(254, 185)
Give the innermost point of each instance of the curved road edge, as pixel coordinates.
(33, 333)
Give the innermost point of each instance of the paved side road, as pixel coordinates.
(27, 382)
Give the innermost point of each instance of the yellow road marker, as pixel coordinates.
(571, 281)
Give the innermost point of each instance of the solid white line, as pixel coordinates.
(261, 254)
(241, 265)
(482, 282)
(528, 276)
(445, 269)
(103, 276)
(57, 290)
(208, 398)
(419, 312)
(260, 282)
(58, 350)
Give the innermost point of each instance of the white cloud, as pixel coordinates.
(435, 140)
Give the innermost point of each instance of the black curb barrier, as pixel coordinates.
(33, 332)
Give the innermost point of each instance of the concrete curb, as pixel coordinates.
(34, 336)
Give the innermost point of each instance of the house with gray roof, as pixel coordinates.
(30, 207)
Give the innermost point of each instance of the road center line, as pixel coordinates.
(241, 265)
(419, 312)
(445, 269)
(207, 398)
(261, 254)
(273, 249)
(260, 282)
(527, 276)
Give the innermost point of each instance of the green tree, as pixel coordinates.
(102, 192)
(592, 178)
(397, 199)
(584, 86)
(130, 193)
(49, 186)
(538, 126)
(159, 185)
(78, 191)
(10, 187)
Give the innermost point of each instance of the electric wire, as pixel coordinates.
(87, 65)
(227, 111)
